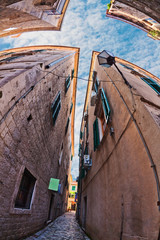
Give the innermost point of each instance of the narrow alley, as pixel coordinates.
(64, 227)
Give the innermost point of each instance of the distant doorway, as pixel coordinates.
(73, 206)
(51, 208)
(84, 212)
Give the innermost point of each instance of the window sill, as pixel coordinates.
(21, 211)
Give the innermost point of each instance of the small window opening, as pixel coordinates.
(29, 118)
(25, 192)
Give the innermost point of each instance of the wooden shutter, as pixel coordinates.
(105, 105)
(56, 106)
(152, 84)
(96, 134)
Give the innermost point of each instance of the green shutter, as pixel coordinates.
(67, 83)
(56, 106)
(86, 150)
(82, 174)
(66, 129)
(105, 104)
(72, 76)
(96, 134)
(127, 67)
(71, 108)
(80, 147)
(152, 84)
(81, 135)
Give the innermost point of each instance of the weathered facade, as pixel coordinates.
(72, 194)
(37, 108)
(142, 14)
(119, 190)
(31, 15)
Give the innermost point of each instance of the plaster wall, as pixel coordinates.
(120, 187)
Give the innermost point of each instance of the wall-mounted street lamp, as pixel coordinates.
(107, 59)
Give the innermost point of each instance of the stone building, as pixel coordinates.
(31, 15)
(144, 14)
(37, 108)
(119, 190)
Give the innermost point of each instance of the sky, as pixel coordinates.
(86, 26)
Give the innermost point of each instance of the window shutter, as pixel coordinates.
(72, 75)
(105, 105)
(95, 81)
(127, 67)
(56, 106)
(152, 84)
(81, 135)
(67, 83)
(71, 108)
(66, 129)
(96, 134)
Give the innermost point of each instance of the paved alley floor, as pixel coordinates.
(64, 227)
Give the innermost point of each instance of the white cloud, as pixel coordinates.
(86, 26)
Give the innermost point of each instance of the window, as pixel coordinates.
(81, 135)
(61, 154)
(56, 106)
(127, 67)
(95, 82)
(67, 83)
(25, 192)
(152, 84)
(71, 108)
(66, 129)
(73, 188)
(105, 105)
(96, 134)
(72, 74)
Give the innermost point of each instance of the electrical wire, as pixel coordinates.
(83, 79)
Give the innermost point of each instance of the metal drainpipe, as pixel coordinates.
(143, 140)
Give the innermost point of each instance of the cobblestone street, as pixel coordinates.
(63, 228)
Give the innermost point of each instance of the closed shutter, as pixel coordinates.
(152, 84)
(96, 134)
(105, 105)
(66, 129)
(72, 75)
(67, 83)
(56, 106)
(71, 108)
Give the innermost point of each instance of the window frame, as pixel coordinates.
(22, 191)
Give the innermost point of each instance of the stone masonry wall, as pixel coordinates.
(149, 7)
(29, 139)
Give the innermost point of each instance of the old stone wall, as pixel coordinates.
(119, 193)
(30, 140)
(24, 16)
(149, 7)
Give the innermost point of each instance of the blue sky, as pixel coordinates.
(86, 26)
